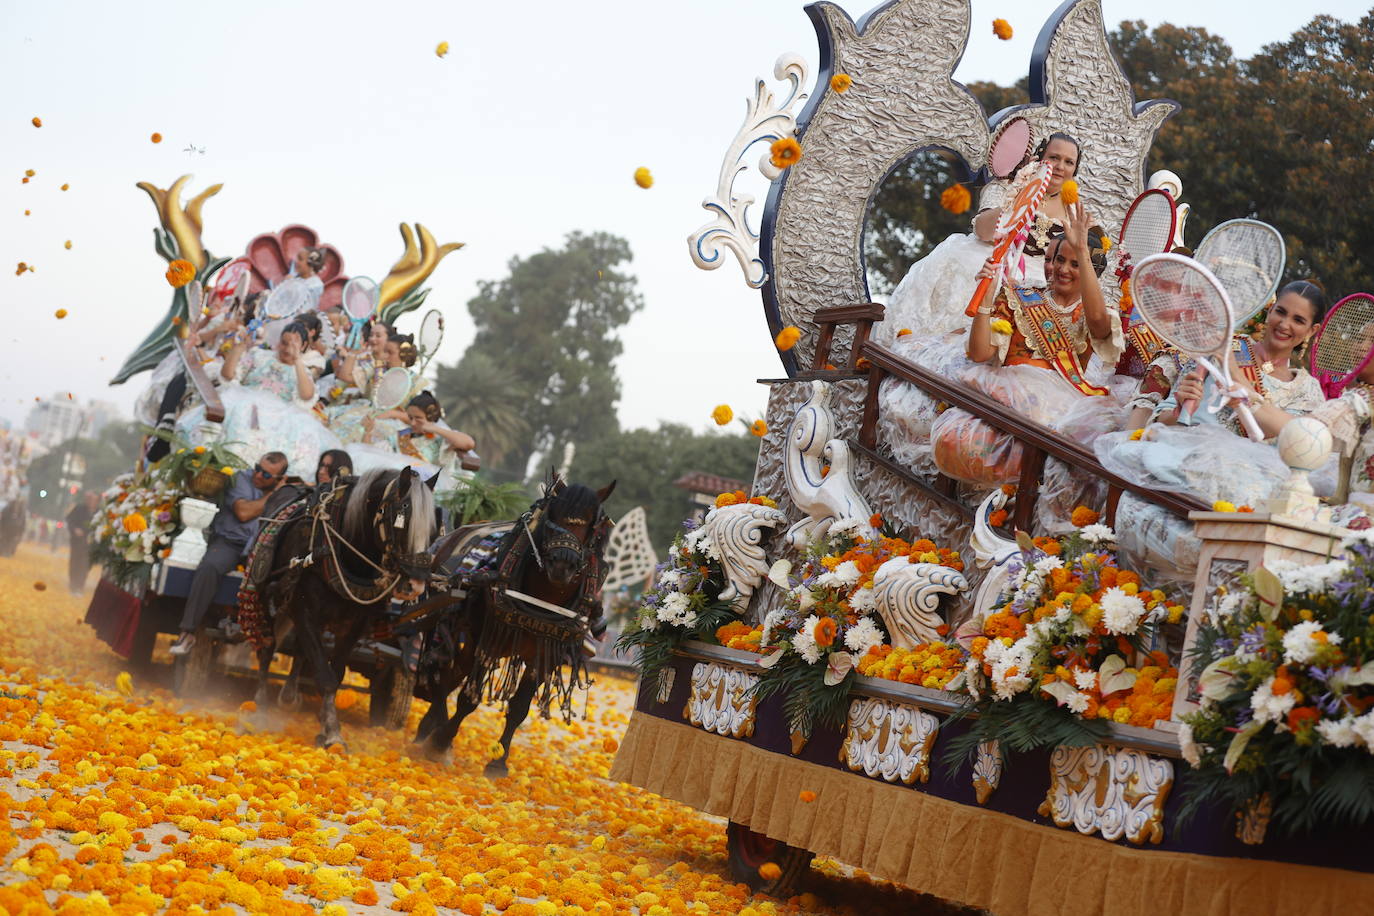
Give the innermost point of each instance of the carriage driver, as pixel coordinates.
(229, 536)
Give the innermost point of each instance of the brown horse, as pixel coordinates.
(335, 565)
(499, 645)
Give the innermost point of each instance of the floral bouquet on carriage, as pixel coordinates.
(828, 628)
(1285, 727)
(134, 525)
(686, 600)
(1073, 642)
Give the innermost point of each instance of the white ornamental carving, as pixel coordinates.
(1114, 791)
(908, 598)
(737, 532)
(992, 552)
(630, 556)
(765, 120)
(987, 770)
(721, 701)
(891, 741)
(824, 498)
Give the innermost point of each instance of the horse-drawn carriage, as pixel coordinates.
(897, 684)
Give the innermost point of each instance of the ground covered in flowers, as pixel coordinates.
(131, 801)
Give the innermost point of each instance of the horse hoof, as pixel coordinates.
(497, 769)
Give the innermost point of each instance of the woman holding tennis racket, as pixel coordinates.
(1270, 367)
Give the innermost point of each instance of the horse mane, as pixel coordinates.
(364, 498)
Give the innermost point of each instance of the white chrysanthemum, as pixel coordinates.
(1268, 706)
(1121, 612)
(1085, 680)
(1300, 645)
(1338, 732)
(1077, 702)
(848, 572)
(1314, 577)
(863, 636)
(1097, 534)
(862, 600)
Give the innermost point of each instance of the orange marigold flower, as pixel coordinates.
(785, 152)
(841, 82)
(1002, 29)
(787, 338)
(956, 199)
(722, 414)
(180, 272)
(1083, 516)
(807, 796)
(759, 428)
(1068, 194)
(825, 631)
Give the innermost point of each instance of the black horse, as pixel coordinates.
(334, 561)
(500, 645)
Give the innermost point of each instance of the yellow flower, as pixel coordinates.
(1222, 505)
(644, 178)
(722, 414)
(1136, 434)
(759, 428)
(1001, 326)
(841, 82)
(956, 199)
(156, 137)
(180, 272)
(124, 682)
(786, 152)
(787, 338)
(1002, 29)
(441, 49)
(60, 313)
(1068, 194)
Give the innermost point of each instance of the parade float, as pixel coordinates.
(1147, 704)
(148, 534)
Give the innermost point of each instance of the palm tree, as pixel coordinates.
(485, 399)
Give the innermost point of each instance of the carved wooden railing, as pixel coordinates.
(1038, 442)
(195, 373)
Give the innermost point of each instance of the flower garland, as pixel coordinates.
(827, 623)
(1065, 631)
(1286, 720)
(134, 525)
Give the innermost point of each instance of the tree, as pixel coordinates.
(645, 462)
(552, 322)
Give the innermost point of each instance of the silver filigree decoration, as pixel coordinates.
(720, 700)
(765, 120)
(908, 598)
(825, 497)
(890, 741)
(738, 532)
(1114, 791)
(987, 770)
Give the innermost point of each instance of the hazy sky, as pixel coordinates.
(340, 116)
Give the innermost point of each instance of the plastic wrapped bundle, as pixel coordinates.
(1209, 462)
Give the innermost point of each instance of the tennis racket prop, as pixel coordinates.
(360, 298)
(1344, 343)
(1188, 307)
(1247, 256)
(1013, 229)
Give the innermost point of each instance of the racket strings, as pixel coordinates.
(1182, 305)
(1347, 337)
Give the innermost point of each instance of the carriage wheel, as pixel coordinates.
(392, 690)
(750, 851)
(191, 672)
